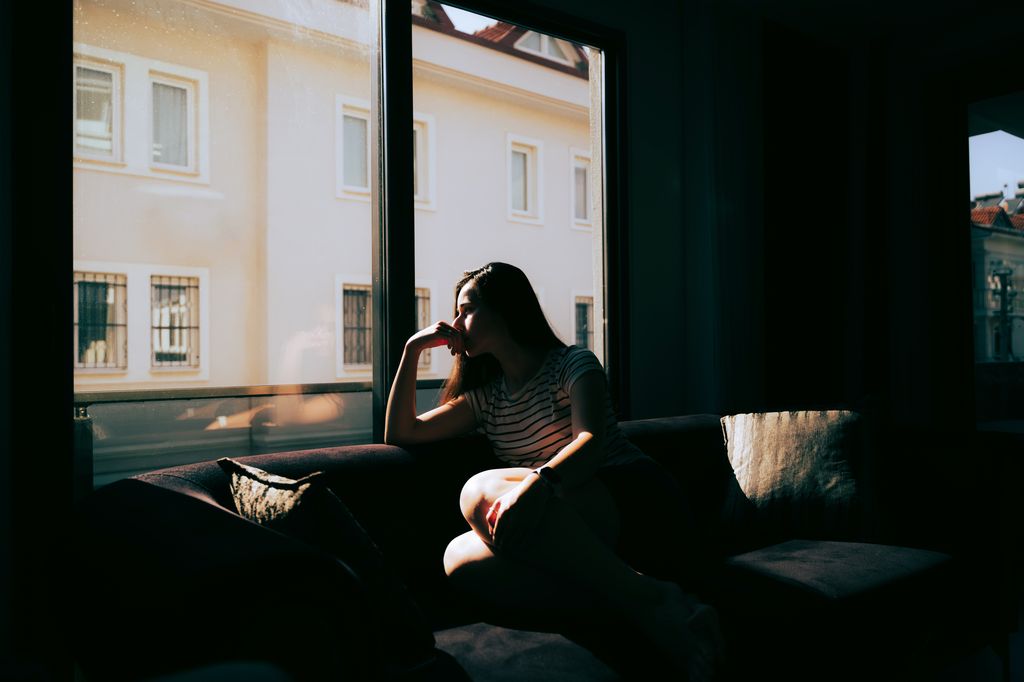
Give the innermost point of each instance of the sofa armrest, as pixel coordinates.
(179, 582)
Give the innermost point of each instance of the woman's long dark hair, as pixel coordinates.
(506, 290)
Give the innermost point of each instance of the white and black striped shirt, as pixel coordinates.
(529, 427)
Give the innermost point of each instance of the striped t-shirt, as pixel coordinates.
(529, 427)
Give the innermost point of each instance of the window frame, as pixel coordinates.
(534, 149)
(355, 108)
(139, 318)
(200, 351)
(545, 39)
(344, 370)
(136, 137)
(116, 69)
(81, 368)
(191, 129)
(425, 126)
(574, 298)
(579, 158)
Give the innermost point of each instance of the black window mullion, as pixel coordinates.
(393, 300)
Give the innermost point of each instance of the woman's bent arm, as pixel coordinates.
(403, 427)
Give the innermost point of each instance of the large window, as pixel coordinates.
(230, 168)
(996, 149)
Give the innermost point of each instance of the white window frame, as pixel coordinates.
(544, 40)
(579, 293)
(191, 142)
(426, 160)
(116, 69)
(357, 108)
(138, 277)
(534, 149)
(432, 368)
(342, 370)
(136, 117)
(579, 158)
(86, 369)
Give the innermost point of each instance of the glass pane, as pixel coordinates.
(552, 49)
(497, 158)
(532, 41)
(94, 110)
(996, 151)
(519, 179)
(170, 124)
(356, 138)
(257, 239)
(582, 204)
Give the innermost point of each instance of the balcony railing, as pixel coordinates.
(123, 433)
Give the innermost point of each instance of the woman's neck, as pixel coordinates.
(519, 364)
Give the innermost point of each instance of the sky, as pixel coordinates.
(467, 22)
(996, 159)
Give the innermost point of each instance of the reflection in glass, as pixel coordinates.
(514, 135)
(94, 109)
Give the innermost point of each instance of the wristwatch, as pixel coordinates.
(552, 478)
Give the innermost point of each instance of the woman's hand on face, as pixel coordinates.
(440, 333)
(514, 515)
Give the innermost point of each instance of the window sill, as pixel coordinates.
(121, 168)
(351, 195)
(525, 219)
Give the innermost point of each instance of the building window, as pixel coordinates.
(174, 305)
(580, 183)
(423, 171)
(352, 147)
(357, 311)
(524, 181)
(543, 45)
(585, 322)
(423, 319)
(97, 105)
(173, 131)
(101, 320)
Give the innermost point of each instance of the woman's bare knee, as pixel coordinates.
(480, 491)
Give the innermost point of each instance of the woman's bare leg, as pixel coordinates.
(567, 545)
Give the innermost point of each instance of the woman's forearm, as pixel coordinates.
(400, 418)
(578, 461)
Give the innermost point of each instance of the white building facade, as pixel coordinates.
(221, 187)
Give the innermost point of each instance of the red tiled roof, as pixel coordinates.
(502, 37)
(986, 216)
(499, 32)
(1017, 221)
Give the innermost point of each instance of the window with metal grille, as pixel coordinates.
(358, 329)
(423, 319)
(101, 320)
(174, 302)
(585, 322)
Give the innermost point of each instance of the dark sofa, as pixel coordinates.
(178, 580)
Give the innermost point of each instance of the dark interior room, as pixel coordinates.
(783, 235)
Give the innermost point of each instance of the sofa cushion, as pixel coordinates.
(310, 511)
(830, 570)
(795, 474)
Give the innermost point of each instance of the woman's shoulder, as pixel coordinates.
(576, 361)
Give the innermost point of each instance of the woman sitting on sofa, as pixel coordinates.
(567, 519)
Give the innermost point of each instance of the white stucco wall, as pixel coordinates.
(268, 223)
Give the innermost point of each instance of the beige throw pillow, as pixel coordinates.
(794, 473)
